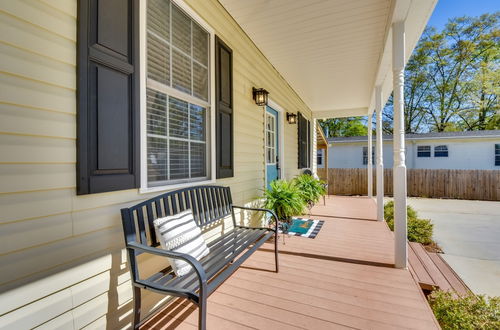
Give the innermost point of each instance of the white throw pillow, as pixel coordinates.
(179, 233)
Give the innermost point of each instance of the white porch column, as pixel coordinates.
(399, 170)
(380, 155)
(314, 146)
(370, 160)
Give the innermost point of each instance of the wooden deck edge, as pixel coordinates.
(448, 275)
(468, 290)
(428, 306)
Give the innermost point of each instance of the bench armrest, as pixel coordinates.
(262, 210)
(200, 272)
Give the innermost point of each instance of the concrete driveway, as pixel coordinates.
(469, 234)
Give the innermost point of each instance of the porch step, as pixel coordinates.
(432, 272)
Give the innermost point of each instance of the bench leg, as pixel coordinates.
(202, 316)
(137, 307)
(276, 249)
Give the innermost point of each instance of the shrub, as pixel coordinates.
(469, 312)
(284, 199)
(419, 230)
(310, 189)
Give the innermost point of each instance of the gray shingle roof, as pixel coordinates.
(419, 136)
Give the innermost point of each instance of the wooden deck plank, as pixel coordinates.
(432, 272)
(327, 309)
(455, 281)
(430, 267)
(328, 282)
(419, 271)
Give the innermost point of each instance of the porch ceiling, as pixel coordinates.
(332, 52)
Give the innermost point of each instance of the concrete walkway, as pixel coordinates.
(469, 234)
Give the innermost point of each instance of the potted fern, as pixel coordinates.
(284, 199)
(310, 189)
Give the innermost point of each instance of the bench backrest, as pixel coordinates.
(208, 203)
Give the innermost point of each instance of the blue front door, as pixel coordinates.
(272, 146)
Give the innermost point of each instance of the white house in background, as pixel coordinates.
(477, 150)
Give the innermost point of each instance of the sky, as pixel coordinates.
(446, 9)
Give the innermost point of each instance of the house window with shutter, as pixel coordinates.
(304, 141)
(178, 96)
(497, 154)
(365, 155)
(319, 157)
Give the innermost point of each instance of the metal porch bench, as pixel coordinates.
(210, 205)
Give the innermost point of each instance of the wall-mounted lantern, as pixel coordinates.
(260, 96)
(291, 118)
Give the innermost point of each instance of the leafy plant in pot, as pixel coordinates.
(284, 199)
(310, 189)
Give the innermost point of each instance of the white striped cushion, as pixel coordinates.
(180, 233)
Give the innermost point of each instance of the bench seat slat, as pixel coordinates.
(215, 260)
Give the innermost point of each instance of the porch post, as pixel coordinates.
(370, 160)
(380, 154)
(399, 169)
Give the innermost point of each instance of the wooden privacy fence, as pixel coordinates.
(459, 184)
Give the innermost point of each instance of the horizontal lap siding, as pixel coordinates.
(61, 255)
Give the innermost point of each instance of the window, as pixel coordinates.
(365, 155)
(270, 139)
(319, 159)
(304, 141)
(441, 151)
(423, 151)
(177, 96)
(497, 154)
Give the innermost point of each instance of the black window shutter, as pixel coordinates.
(224, 109)
(108, 96)
(308, 155)
(303, 141)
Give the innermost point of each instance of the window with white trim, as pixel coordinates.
(319, 158)
(177, 96)
(365, 155)
(497, 154)
(270, 139)
(423, 151)
(441, 151)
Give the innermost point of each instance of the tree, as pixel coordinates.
(484, 86)
(350, 126)
(455, 56)
(452, 79)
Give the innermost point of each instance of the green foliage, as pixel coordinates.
(419, 230)
(284, 199)
(452, 79)
(469, 312)
(350, 126)
(310, 188)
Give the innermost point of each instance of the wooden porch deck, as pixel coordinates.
(341, 279)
